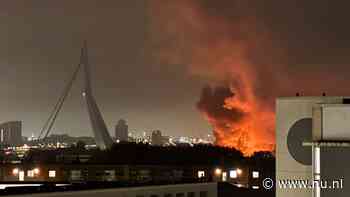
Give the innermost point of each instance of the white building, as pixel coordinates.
(179, 190)
(312, 135)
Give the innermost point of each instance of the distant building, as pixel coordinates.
(11, 133)
(157, 138)
(121, 131)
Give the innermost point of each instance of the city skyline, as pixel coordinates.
(183, 67)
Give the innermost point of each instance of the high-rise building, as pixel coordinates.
(121, 131)
(157, 138)
(11, 133)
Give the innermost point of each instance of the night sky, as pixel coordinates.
(40, 47)
(151, 59)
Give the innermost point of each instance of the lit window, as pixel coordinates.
(233, 174)
(30, 173)
(52, 173)
(255, 174)
(239, 171)
(201, 174)
(21, 176)
(224, 176)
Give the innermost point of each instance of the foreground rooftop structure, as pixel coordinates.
(312, 144)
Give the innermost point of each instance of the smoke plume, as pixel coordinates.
(250, 52)
(237, 123)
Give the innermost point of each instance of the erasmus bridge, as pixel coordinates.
(102, 137)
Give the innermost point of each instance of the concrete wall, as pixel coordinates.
(288, 112)
(335, 122)
(183, 190)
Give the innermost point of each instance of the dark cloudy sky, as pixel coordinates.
(291, 46)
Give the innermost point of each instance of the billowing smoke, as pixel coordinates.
(259, 50)
(237, 123)
(212, 102)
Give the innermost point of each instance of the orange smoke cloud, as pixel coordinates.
(237, 122)
(220, 50)
(259, 50)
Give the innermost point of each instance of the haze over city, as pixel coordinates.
(196, 98)
(155, 63)
(40, 48)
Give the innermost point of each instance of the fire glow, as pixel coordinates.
(237, 122)
(223, 49)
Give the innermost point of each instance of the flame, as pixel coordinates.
(236, 42)
(254, 130)
(252, 133)
(220, 47)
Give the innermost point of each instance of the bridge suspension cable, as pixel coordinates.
(57, 108)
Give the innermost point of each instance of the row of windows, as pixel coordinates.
(31, 173)
(233, 173)
(189, 194)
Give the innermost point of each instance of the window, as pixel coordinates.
(224, 176)
(180, 195)
(203, 194)
(255, 174)
(233, 174)
(191, 194)
(30, 173)
(21, 176)
(201, 174)
(52, 173)
(255, 187)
